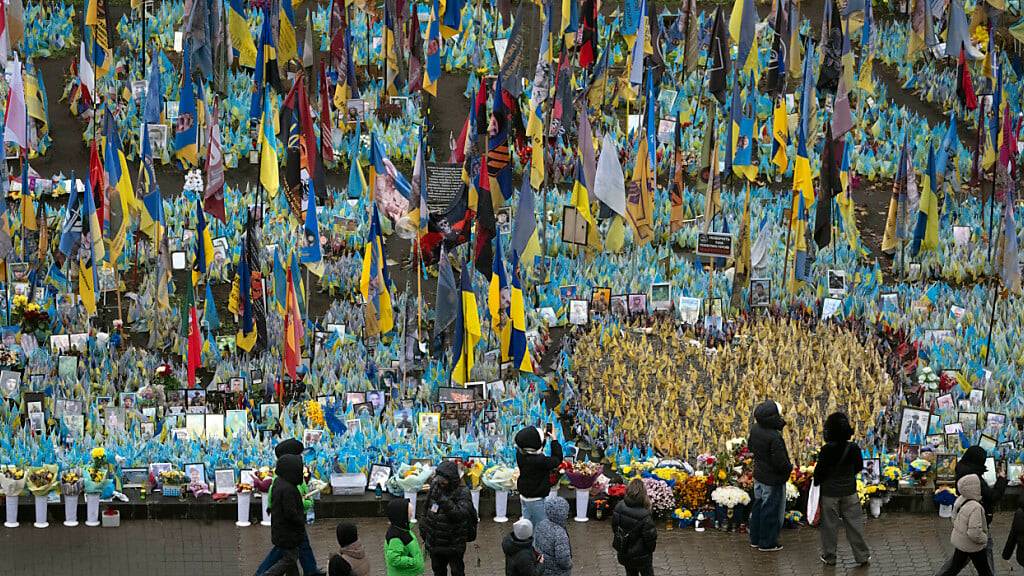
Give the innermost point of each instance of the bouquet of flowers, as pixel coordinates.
(262, 479)
(801, 477)
(945, 496)
(30, 315)
(173, 477)
(617, 491)
(164, 376)
(662, 500)
(792, 519)
(683, 517)
(927, 379)
(474, 470)
(96, 480)
(315, 414)
(500, 478)
(581, 475)
(693, 491)
(243, 488)
(43, 480)
(875, 490)
(412, 477)
(918, 468)
(636, 468)
(707, 460)
(71, 482)
(891, 475)
(12, 480)
(792, 492)
(730, 496)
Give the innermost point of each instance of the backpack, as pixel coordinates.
(622, 540)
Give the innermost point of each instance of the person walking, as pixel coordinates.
(970, 530)
(402, 554)
(634, 534)
(973, 463)
(551, 538)
(306, 558)
(351, 559)
(521, 558)
(771, 471)
(449, 522)
(1015, 539)
(535, 468)
(287, 517)
(839, 461)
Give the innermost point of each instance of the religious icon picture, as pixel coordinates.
(913, 425)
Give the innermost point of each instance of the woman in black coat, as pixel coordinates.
(634, 536)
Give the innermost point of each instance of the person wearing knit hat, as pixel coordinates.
(307, 559)
(534, 483)
(521, 558)
(351, 559)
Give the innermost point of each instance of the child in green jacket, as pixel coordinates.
(402, 553)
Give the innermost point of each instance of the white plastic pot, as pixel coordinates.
(501, 506)
(12, 512)
(244, 500)
(553, 491)
(92, 510)
(266, 510)
(875, 507)
(475, 495)
(945, 510)
(41, 512)
(582, 501)
(71, 511)
(411, 497)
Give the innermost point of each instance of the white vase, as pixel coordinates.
(71, 511)
(411, 497)
(875, 506)
(244, 499)
(12, 512)
(475, 495)
(266, 509)
(500, 506)
(945, 510)
(582, 501)
(553, 491)
(41, 512)
(92, 510)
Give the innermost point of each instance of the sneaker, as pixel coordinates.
(827, 562)
(775, 548)
(753, 545)
(865, 563)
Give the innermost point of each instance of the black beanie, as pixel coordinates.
(347, 533)
(289, 446)
(529, 439)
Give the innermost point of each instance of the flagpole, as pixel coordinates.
(789, 232)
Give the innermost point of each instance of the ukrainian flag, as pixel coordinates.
(517, 340)
(374, 282)
(121, 199)
(241, 37)
(91, 252)
(187, 126)
(467, 329)
(204, 246)
(246, 337)
(926, 233)
(802, 173)
(498, 300)
(451, 15)
(268, 149)
(799, 223)
(287, 45)
(780, 136)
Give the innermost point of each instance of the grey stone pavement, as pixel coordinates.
(902, 545)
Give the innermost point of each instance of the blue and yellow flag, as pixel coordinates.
(186, 127)
(152, 222)
(518, 350)
(246, 337)
(92, 251)
(287, 45)
(204, 246)
(121, 196)
(238, 32)
(432, 71)
(269, 177)
(374, 282)
(451, 17)
(467, 329)
(926, 232)
(498, 297)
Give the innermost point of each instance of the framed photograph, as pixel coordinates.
(451, 394)
(831, 307)
(945, 467)
(270, 414)
(936, 441)
(968, 422)
(363, 410)
(236, 422)
(836, 282)
(429, 423)
(403, 420)
(689, 310)
(988, 443)
(355, 111)
(353, 398)
(10, 383)
(60, 343)
(637, 304)
(567, 292)
(872, 473)
(503, 220)
(67, 367)
(661, 296)
(601, 299)
(377, 399)
(379, 476)
(494, 390)
(224, 481)
(945, 402)
(195, 425)
(155, 469)
(134, 477)
(953, 444)
(196, 401)
(666, 130)
(575, 227)
(994, 423)
(311, 437)
(620, 306)
(195, 473)
(220, 249)
(928, 399)
(953, 428)
(890, 301)
(353, 426)
(977, 396)
(214, 426)
(579, 313)
(128, 401)
(449, 427)
(913, 425)
(760, 292)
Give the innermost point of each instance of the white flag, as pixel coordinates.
(610, 183)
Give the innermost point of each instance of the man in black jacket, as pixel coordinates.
(771, 471)
(535, 468)
(839, 462)
(450, 521)
(973, 462)
(288, 518)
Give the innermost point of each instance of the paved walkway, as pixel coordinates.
(902, 545)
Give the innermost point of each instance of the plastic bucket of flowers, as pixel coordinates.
(71, 487)
(581, 477)
(12, 483)
(945, 497)
(261, 482)
(42, 481)
(96, 484)
(501, 479)
(663, 501)
(683, 517)
(876, 497)
(243, 490)
(728, 497)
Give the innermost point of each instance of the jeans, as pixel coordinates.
(960, 558)
(644, 570)
(534, 511)
(285, 563)
(766, 515)
(440, 563)
(847, 510)
(305, 553)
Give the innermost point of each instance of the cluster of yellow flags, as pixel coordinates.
(683, 400)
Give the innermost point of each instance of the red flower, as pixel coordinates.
(617, 490)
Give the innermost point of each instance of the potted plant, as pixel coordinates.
(501, 479)
(581, 476)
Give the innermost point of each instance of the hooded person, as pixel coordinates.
(402, 554)
(351, 558)
(306, 557)
(534, 483)
(552, 540)
(521, 558)
(287, 517)
(771, 471)
(449, 522)
(972, 463)
(839, 461)
(970, 530)
(634, 535)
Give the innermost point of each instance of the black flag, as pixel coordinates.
(831, 55)
(718, 53)
(779, 61)
(829, 187)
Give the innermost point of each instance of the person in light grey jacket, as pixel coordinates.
(551, 539)
(970, 530)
